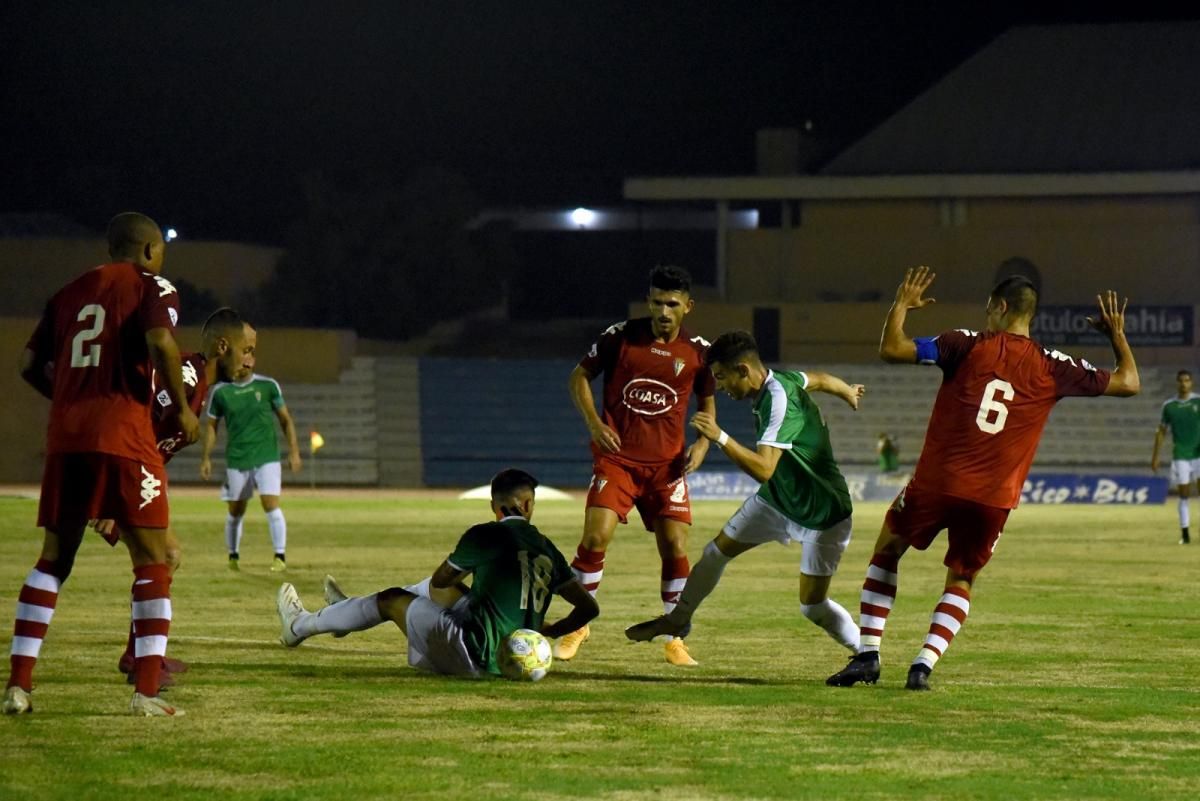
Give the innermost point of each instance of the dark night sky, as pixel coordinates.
(205, 114)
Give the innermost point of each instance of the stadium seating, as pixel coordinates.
(454, 422)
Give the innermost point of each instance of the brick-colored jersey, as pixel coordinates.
(166, 419)
(997, 391)
(647, 386)
(93, 333)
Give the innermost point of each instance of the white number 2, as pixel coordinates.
(991, 403)
(90, 358)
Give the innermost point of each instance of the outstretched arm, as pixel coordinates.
(825, 382)
(1111, 322)
(894, 345)
(585, 610)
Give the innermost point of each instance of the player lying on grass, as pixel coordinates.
(803, 497)
(515, 570)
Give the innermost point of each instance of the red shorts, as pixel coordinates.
(972, 528)
(659, 491)
(78, 487)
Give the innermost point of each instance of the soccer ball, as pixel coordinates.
(525, 656)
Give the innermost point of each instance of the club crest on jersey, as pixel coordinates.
(164, 399)
(649, 397)
(150, 487)
(258, 396)
(679, 365)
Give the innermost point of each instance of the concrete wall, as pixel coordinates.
(33, 269)
(1148, 247)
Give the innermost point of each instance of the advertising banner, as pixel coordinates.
(1144, 325)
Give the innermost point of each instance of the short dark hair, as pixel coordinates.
(730, 347)
(1181, 373)
(510, 481)
(671, 278)
(220, 321)
(1019, 293)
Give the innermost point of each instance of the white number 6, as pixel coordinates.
(92, 357)
(991, 404)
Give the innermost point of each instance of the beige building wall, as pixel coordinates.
(33, 269)
(1147, 247)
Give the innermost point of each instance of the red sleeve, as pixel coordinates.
(160, 303)
(603, 353)
(953, 346)
(1074, 378)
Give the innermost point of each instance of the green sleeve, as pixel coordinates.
(215, 407)
(562, 573)
(276, 396)
(474, 548)
(1164, 419)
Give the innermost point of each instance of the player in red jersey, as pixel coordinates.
(998, 388)
(651, 367)
(227, 354)
(92, 355)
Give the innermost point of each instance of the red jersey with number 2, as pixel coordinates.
(647, 386)
(93, 332)
(997, 391)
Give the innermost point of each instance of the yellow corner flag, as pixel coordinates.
(315, 441)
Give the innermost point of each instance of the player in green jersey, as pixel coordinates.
(803, 496)
(1181, 416)
(250, 404)
(515, 570)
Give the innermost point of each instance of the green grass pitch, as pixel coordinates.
(1074, 676)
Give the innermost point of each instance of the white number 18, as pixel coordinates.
(996, 390)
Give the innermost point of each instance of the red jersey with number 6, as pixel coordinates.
(92, 335)
(997, 391)
(647, 386)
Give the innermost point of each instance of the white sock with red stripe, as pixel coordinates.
(674, 576)
(947, 618)
(700, 584)
(588, 567)
(35, 608)
(353, 614)
(151, 623)
(833, 617)
(875, 604)
(233, 533)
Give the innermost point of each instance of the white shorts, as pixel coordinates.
(758, 522)
(1184, 471)
(240, 484)
(435, 639)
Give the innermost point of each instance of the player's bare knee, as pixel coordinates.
(813, 591)
(269, 502)
(393, 604)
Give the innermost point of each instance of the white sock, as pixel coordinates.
(233, 533)
(278, 528)
(353, 614)
(831, 616)
(1184, 514)
(704, 578)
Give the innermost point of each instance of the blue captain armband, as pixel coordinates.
(927, 350)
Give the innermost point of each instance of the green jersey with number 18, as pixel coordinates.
(807, 487)
(515, 571)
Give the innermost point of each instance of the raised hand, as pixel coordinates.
(1111, 321)
(855, 395)
(910, 293)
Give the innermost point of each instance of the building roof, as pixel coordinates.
(1050, 99)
